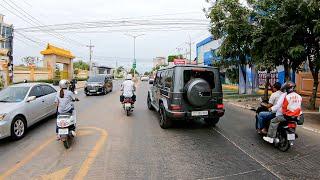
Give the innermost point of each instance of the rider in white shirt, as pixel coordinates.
(128, 88)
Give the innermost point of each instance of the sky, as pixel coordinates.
(109, 48)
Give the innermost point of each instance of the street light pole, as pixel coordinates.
(134, 50)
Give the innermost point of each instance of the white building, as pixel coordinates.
(159, 61)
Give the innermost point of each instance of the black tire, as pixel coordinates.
(67, 143)
(18, 128)
(211, 121)
(128, 112)
(284, 144)
(150, 107)
(164, 122)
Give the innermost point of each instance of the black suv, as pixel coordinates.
(186, 92)
(99, 84)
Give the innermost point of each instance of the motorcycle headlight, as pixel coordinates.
(2, 116)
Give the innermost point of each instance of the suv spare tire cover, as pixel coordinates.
(198, 92)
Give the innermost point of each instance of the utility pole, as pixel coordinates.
(90, 58)
(134, 51)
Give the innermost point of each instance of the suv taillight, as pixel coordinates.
(220, 106)
(175, 107)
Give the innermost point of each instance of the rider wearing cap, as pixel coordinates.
(289, 104)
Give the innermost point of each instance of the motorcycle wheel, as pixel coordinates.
(67, 143)
(284, 144)
(128, 112)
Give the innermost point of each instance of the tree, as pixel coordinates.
(171, 58)
(133, 71)
(146, 73)
(230, 22)
(30, 60)
(81, 65)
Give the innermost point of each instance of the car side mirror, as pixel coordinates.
(31, 98)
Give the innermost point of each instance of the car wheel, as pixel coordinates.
(150, 107)
(105, 91)
(18, 128)
(164, 122)
(211, 121)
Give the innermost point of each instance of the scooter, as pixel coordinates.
(72, 86)
(286, 134)
(66, 128)
(128, 105)
(66, 124)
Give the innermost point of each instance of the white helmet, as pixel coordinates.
(63, 84)
(129, 77)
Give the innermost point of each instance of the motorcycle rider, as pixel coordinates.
(128, 87)
(268, 115)
(289, 104)
(64, 101)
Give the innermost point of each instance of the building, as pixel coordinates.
(6, 37)
(102, 70)
(207, 51)
(159, 61)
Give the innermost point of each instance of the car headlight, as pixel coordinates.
(2, 116)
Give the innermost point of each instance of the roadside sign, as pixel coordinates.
(179, 61)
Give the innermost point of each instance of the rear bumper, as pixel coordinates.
(97, 90)
(176, 115)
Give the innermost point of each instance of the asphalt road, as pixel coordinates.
(110, 145)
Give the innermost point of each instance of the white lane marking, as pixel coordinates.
(232, 175)
(311, 129)
(259, 162)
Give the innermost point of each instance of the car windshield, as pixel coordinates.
(96, 79)
(13, 94)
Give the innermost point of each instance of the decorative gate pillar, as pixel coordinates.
(53, 55)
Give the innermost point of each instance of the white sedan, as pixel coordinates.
(22, 105)
(144, 78)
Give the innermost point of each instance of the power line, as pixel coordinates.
(25, 16)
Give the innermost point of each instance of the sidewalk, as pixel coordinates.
(312, 118)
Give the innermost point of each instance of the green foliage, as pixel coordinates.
(229, 21)
(81, 65)
(171, 58)
(132, 71)
(146, 73)
(154, 69)
(233, 75)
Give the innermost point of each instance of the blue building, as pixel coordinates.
(206, 51)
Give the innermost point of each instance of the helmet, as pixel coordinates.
(63, 84)
(288, 87)
(129, 77)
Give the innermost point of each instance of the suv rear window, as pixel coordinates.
(203, 74)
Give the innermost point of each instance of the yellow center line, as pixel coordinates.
(83, 171)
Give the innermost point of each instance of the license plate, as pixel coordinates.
(291, 137)
(127, 105)
(63, 131)
(199, 113)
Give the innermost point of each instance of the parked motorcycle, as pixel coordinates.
(127, 104)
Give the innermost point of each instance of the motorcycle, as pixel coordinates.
(72, 86)
(66, 124)
(127, 104)
(286, 133)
